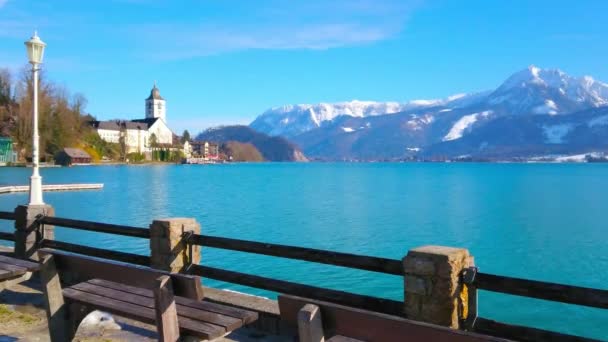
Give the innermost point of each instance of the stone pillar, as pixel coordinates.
(168, 250)
(28, 233)
(433, 290)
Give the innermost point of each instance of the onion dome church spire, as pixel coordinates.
(155, 105)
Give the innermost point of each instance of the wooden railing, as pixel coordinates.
(10, 216)
(471, 277)
(568, 294)
(374, 264)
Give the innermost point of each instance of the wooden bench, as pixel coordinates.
(143, 294)
(316, 319)
(14, 271)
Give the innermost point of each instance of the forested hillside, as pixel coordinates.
(63, 121)
(271, 148)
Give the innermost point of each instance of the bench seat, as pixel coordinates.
(12, 267)
(196, 318)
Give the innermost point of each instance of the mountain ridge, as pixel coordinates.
(421, 126)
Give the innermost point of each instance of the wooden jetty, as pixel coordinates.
(52, 187)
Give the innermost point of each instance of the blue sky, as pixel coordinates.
(226, 61)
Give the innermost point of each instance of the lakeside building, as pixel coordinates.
(140, 135)
(72, 156)
(205, 149)
(7, 155)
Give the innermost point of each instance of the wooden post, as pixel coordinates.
(168, 249)
(165, 309)
(434, 292)
(54, 305)
(28, 232)
(310, 324)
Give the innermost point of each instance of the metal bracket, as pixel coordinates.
(468, 275)
(468, 278)
(186, 236)
(38, 228)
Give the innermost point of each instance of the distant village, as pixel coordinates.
(143, 140)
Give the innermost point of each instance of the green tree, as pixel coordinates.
(122, 146)
(153, 140)
(185, 136)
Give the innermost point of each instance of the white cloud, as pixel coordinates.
(312, 25)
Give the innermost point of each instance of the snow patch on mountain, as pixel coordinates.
(418, 122)
(464, 124)
(554, 134)
(549, 107)
(348, 129)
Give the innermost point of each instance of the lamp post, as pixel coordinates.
(35, 52)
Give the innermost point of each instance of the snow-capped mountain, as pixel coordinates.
(291, 120)
(548, 91)
(373, 130)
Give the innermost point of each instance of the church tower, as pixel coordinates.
(155, 105)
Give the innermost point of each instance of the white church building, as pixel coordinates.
(137, 133)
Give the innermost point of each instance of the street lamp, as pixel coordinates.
(35, 52)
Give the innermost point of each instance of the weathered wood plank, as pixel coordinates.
(542, 290)
(310, 324)
(4, 274)
(15, 270)
(55, 307)
(124, 294)
(373, 326)
(29, 265)
(97, 227)
(367, 263)
(521, 333)
(142, 313)
(387, 306)
(84, 268)
(245, 316)
(165, 310)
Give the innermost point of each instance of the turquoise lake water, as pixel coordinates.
(536, 221)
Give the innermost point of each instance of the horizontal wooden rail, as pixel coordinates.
(97, 227)
(521, 333)
(367, 263)
(386, 306)
(137, 259)
(542, 290)
(7, 215)
(7, 236)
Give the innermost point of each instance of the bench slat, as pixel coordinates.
(83, 268)
(12, 267)
(138, 312)
(10, 271)
(229, 323)
(29, 265)
(6, 275)
(245, 315)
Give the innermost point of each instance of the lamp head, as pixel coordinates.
(35, 49)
